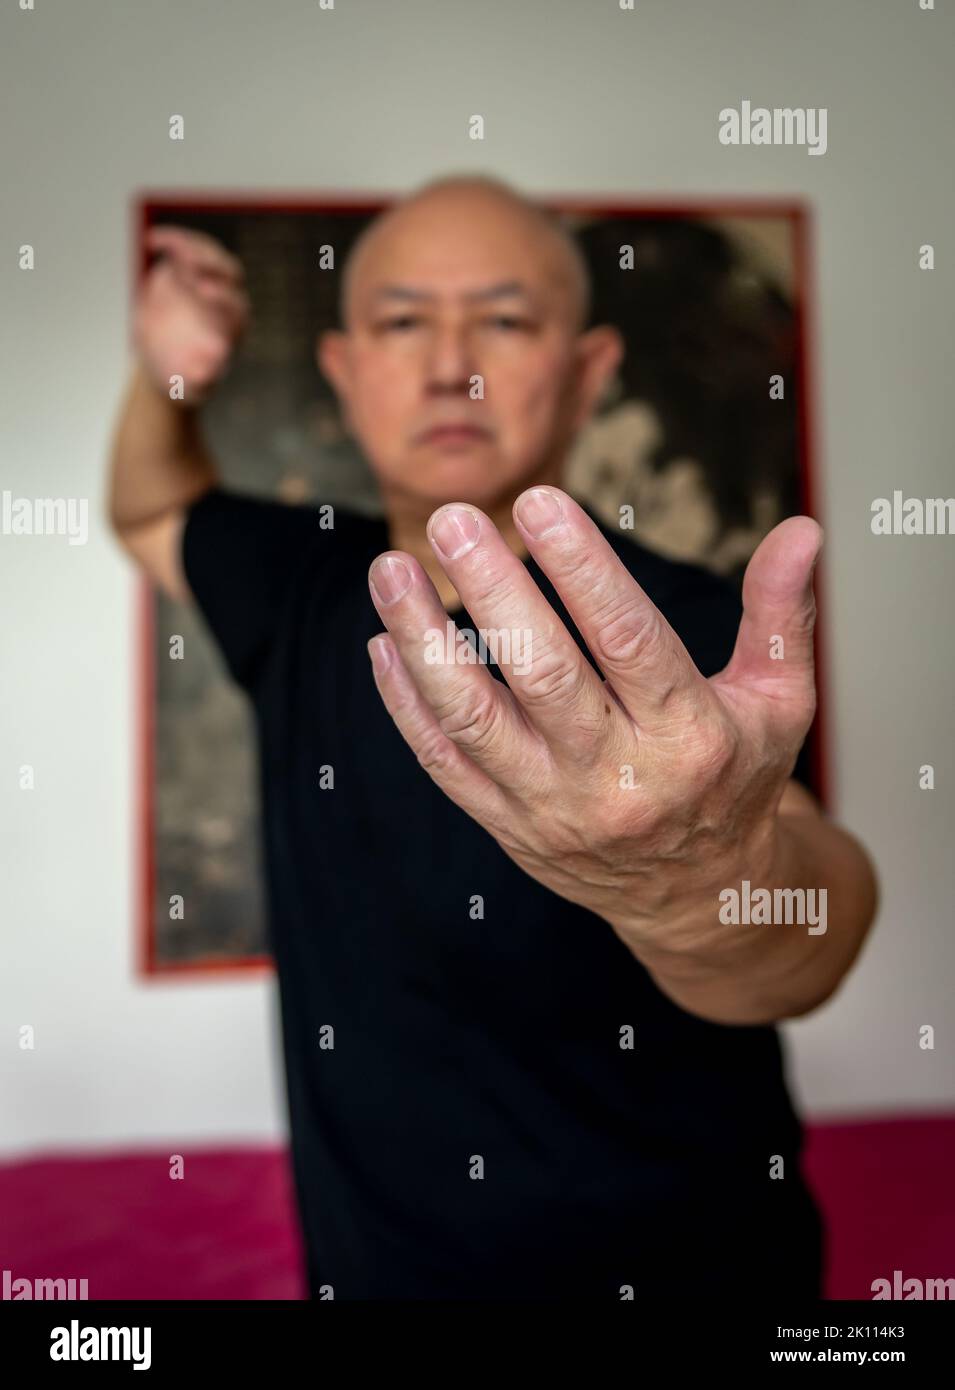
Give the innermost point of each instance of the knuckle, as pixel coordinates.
(648, 817)
(491, 591)
(568, 832)
(551, 681)
(626, 632)
(471, 719)
(717, 752)
(608, 820)
(435, 756)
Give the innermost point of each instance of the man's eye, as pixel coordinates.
(403, 321)
(508, 321)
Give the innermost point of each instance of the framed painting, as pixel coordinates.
(704, 444)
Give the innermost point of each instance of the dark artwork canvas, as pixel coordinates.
(692, 438)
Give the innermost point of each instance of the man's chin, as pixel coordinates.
(458, 478)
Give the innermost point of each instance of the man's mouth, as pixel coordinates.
(454, 434)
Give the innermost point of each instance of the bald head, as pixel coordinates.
(466, 363)
(451, 210)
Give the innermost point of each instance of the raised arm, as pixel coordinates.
(190, 312)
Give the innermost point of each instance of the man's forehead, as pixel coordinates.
(539, 282)
(470, 291)
(461, 249)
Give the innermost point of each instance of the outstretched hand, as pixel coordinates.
(638, 795)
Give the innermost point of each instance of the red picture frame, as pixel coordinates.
(145, 206)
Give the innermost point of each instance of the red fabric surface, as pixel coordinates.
(886, 1194)
(229, 1229)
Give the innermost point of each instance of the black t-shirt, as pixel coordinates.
(477, 1130)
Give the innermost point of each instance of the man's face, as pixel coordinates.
(461, 371)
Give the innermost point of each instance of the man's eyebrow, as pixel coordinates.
(509, 288)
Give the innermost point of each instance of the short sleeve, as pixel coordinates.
(242, 556)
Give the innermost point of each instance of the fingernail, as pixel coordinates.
(380, 653)
(390, 578)
(454, 531)
(540, 512)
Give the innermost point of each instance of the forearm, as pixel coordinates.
(756, 971)
(158, 460)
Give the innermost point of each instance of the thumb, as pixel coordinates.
(774, 650)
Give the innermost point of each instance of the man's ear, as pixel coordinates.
(600, 352)
(330, 354)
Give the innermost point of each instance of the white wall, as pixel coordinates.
(578, 98)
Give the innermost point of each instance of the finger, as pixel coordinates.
(475, 711)
(219, 295)
(774, 648)
(449, 768)
(230, 307)
(642, 657)
(195, 250)
(556, 686)
(207, 282)
(227, 307)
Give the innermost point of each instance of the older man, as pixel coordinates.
(529, 1053)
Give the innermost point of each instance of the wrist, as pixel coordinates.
(685, 932)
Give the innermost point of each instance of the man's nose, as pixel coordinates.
(450, 359)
